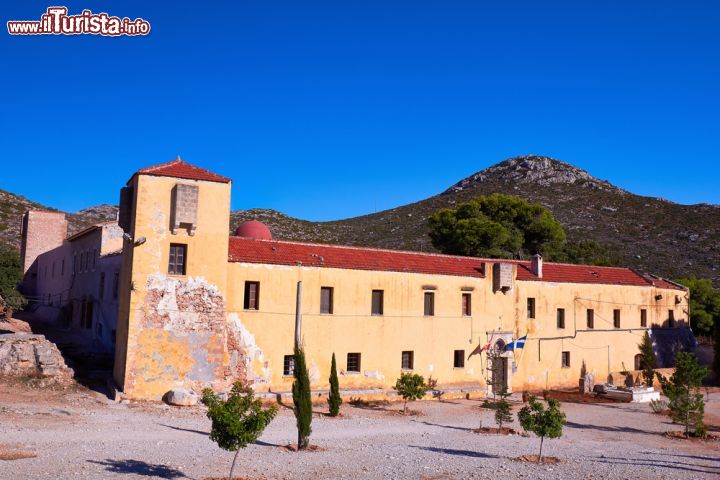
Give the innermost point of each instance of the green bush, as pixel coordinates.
(10, 276)
(334, 399)
(237, 421)
(411, 387)
(543, 422)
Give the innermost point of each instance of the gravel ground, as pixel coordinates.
(80, 434)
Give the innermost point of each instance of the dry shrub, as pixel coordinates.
(534, 459)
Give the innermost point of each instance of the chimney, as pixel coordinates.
(536, 265)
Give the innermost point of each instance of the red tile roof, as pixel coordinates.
(276, 252)
(569, 273)
(273, 252)
(662, 283)
(181, 169)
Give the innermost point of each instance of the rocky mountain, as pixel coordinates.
(650, 234)
(13, 206)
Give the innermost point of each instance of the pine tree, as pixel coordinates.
(542, 422)
(302, 400)
(334, 399)
(649, 360)
(687, 406)
(503, 412)
(237, 421)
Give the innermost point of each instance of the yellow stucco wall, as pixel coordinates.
(381, 339)
(192, 330)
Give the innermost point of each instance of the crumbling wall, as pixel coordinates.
(182, 339)
(24, 354)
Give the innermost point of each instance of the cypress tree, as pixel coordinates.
(302, 400)
(649, 360)
(334, 399)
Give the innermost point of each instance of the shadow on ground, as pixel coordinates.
(453, 451)
(452, 427)
(606, 428)
(661, 463)
(137, 467)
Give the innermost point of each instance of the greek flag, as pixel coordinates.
(517, 343)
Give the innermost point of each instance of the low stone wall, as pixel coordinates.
(23, 354)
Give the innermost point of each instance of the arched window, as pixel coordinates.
(638, 361)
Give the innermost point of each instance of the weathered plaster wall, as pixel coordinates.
(174, 327)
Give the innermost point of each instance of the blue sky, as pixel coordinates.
(326, 110)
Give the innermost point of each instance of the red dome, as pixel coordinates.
(253, 229)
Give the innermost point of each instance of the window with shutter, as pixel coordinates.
(429, 304)
(561, 318)
(176, 262)
(326, 300)
(466, 304)
(407, 360)
(377, 302)
(459, 359)
(252, 296)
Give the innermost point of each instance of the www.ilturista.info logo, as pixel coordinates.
(57, 22)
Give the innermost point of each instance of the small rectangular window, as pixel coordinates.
(530, 308)
(590, 318)
(466, 304)
(407, 361)
(561, 318)
(94, 258)
(377, 302)
(101, 286)
(289, 365)
(62, 268)
(353, 362)
(252, 296)
(565, 359)
(326, 300)
(53, 270)
(643, 317)
(616, 318)
(671, 318)
(459, 359)
(429, 304)
(178, 256)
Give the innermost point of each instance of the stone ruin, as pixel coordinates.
(29, 355)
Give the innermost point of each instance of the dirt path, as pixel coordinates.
(76, 433)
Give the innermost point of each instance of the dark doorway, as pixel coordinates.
(499, 375)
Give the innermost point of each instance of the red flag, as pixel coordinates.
(479, 349)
